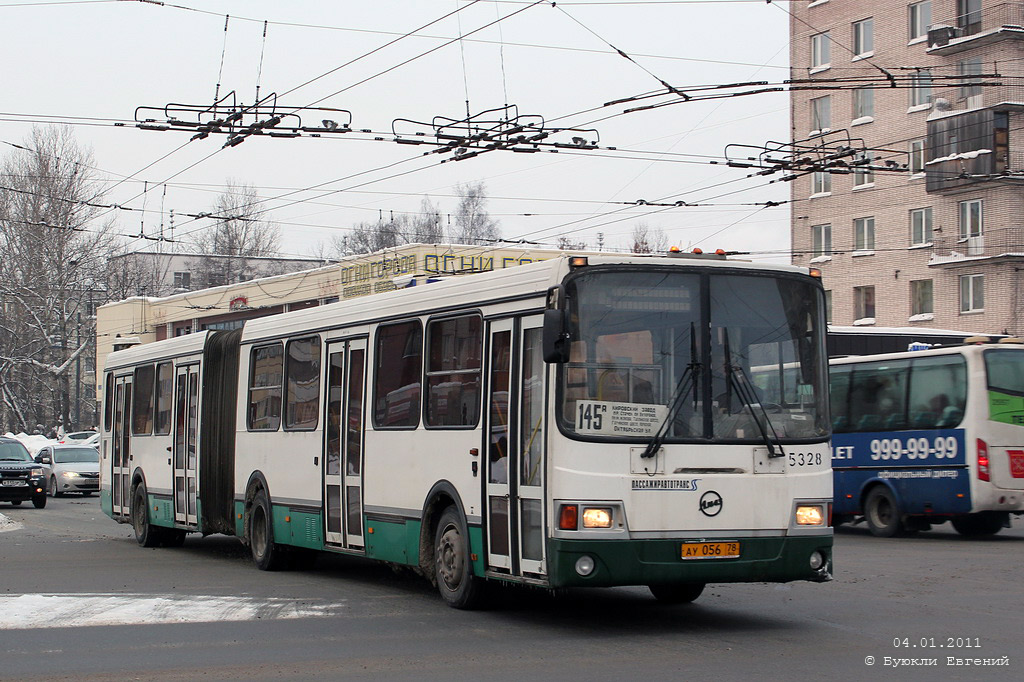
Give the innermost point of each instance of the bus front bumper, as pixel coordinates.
(650, 562)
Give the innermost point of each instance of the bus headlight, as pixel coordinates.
(817, 560)
(810, 515)
(600, 517)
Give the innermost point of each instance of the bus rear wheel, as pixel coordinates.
(265, 554)
(146, 534)
(883, 513)
(677, 594)
(453, 569)
(978, 525)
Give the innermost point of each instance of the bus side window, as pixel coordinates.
(302, 377)
(142, 401)
(453, 371)
(398, 371)
(266, 365)
(938, 391)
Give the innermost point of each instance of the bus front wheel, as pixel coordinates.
(676, 594)
(978, 525)
(883, 513)
(453, 569)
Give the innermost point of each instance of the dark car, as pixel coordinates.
(20, 477)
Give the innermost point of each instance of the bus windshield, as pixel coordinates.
(725, 357)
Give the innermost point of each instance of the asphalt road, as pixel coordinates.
(80, 600)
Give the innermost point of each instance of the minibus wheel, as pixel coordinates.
(883, 513)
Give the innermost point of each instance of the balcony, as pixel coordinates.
(974, 29)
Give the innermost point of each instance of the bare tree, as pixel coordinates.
(566, 244)
(385, 233)
(242, 231)
(427, 228)
(473, 224)
(52, 263)
(646, 240)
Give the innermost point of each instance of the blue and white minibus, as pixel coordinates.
(930, 436)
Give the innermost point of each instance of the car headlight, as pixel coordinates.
(70, 474)
(37, 472)
(810, 515)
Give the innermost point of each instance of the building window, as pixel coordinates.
(972, 293)
(182, 280)
(921, 88)
(821, 51)
(968, 16)
(917, 148)
(828, 306)
(971, 218)
(921, 225)
(864, 234)
(398, 365)
(970, 88)
(454, 348)
(863, 38)
(302, 376)
(821, 239)
(921, 299)
(920, 17)
(266, 365)
(821, 113)
(863, 102)
(864, 303)
(862, 172)
(821, 182)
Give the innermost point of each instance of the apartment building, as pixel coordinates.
(930, 232)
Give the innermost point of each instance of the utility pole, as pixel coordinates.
(78, 372)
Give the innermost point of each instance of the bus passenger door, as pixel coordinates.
(186, 422)
(514, 463)
(120, 446)
(343, 444)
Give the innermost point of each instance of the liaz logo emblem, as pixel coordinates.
(710, 503)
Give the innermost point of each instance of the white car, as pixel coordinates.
(71, 469)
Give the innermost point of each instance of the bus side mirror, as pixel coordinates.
(555, 343)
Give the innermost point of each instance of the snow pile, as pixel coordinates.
(33, 443)
(8, 524)
(73, 610)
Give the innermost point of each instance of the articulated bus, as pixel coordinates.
(930, 436)
(581, 421)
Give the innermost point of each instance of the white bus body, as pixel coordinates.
(497, 426)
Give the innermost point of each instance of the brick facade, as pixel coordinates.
(994, 38)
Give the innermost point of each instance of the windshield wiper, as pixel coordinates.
(736, 377)
(687, 382)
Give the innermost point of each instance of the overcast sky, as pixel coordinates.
(93, 63)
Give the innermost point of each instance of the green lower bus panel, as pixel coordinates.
(390, 541)
(647, 562)
(298, 528)
(161, 510)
